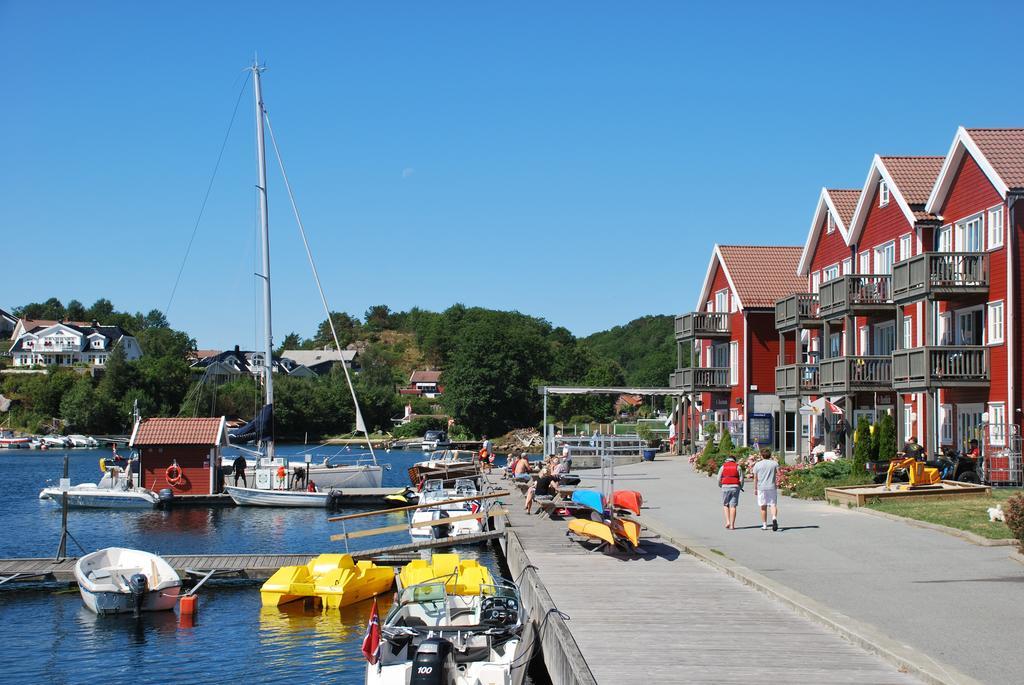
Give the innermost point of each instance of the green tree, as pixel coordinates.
(346, 326)
(862, 448)
(101, 310)
(52, 310)
(887, 438)
(375, 388)
(876, 435)
(154, 319)
(75, 310)
(726, 445)
(292, 341)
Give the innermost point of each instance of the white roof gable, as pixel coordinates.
(962, 144)
(876, 173)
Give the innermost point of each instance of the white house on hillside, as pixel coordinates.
(64, 344)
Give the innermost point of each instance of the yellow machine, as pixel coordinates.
(334, 578)
(920, 475)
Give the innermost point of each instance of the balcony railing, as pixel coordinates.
(855, 293)
(796, 309)
(796, 379)
(703, 325)
(701, 379)
(947, 366)
(843, 375)
(940, 275)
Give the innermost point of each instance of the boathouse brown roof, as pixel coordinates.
(425, 377)
(179, 431)
(762, 274)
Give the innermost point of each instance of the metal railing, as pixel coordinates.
(794, 379)
(846, 293)
(938, 273)
(702, 325)
(940, 366)
(791, 310)
(861, 372)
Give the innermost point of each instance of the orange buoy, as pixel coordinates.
(188, 604)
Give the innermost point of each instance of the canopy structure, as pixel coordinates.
(546, 390)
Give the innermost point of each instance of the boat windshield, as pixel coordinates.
(423, 593)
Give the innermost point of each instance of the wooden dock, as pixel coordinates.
(348, 496)
(242, 566)
(665, 617)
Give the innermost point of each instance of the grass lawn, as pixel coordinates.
(966, 514)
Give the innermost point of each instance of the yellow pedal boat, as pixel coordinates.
(461, 576)
(592, 530)
(334, 578)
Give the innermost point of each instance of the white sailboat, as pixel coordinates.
(270, 491)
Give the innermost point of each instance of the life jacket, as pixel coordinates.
(730, 473)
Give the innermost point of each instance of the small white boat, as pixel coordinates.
(15, 443)
(259, 497)
(433, 635)
(114, 491)
(433, 491)
(83, 441)
(116, 580)
(56, 441)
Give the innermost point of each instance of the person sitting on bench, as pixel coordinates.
(544, 487)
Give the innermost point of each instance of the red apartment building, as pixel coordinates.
(733, 345)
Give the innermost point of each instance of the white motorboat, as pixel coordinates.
(433, 491)
(432, 635)
(56, 441)
(83, 441)
(11, 442)
(257, 497)
(116, 580)
(359, 474)
(114, 491)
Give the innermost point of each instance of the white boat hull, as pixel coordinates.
(368, 476)
(252, 497)
(103, 498)
(103, 581)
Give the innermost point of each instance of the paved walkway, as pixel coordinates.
(956, 602)
(666, 617)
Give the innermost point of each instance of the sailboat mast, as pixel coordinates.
(268, 379)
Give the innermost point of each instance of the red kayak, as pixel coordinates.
(630, 500)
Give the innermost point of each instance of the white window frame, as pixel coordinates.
(865, 262)
(830, 273)
(906, 246)
(946, 424)
(830, 224)
(722, 301)
(908, 333)
(996, 227)
(847, 266)
(889, 247)
(960, 234)
(734, 363)
(815, 281)
(908, 420)
(995, 323)
(997, 424)
(883, 193)
(863, 340)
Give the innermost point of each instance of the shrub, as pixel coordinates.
(862, 450)
(887, 438)
(876, 434)
(725, 445)
(1014, 513)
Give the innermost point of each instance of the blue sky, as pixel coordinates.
(574, 161)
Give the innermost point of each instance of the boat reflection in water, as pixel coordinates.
(333, 638)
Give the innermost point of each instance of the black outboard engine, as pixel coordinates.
(166, 496)
(442, 531)
(138, 584)
(432, 662)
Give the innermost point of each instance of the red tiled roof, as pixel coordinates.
(205, 354)
(845, 201)
(425, 377)
(763, 273)
(30, 324)
(177, 432)
(914, 176)
(1004, 150)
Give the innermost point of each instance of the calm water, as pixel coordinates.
(50, 637)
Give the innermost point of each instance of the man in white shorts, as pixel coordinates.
(766, 473)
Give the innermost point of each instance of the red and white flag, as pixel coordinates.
(371, 641)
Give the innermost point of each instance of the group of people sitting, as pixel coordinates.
(551, 471)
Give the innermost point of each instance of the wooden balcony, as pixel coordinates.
(856, 294)
(862, 373)
(796, 310)
(797, 379)
(703, 326)
(940, 276)
(946, 366)
(701, 380)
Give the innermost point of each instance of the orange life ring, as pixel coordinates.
(173, 474)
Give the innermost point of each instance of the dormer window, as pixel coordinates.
(830, 224)
(883, 193)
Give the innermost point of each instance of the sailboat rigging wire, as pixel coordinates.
(206, 197)
(360, 424)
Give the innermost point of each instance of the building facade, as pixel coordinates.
(49, 343)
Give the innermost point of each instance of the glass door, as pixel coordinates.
(968, 423)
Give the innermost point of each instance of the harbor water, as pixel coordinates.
(51, 637)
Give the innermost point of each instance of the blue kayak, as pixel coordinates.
(589, 498)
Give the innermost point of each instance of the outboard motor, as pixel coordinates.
(432, 662)
(166, 497)
(138, 584)
(442, 531)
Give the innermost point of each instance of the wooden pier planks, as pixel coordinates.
(673, 619)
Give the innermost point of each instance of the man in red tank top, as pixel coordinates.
(730, 479)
